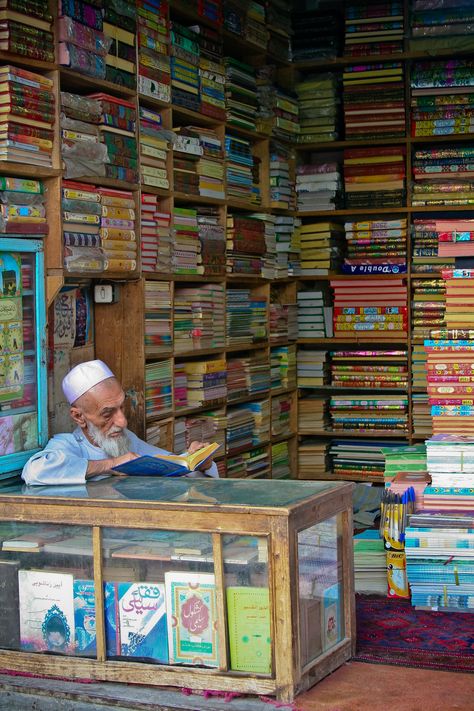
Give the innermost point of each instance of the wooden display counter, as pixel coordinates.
(232, 585)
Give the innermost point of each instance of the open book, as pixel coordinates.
(168, 464)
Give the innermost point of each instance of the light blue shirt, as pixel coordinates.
(65, 458)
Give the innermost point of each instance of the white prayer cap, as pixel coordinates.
(83, 377)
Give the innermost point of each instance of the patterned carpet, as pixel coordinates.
(392, 632)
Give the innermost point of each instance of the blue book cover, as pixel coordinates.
(84, 617)
(142, 621)
(112, 627)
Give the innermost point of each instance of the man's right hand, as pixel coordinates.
(106, 465)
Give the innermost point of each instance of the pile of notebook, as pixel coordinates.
(443, 176)
(318, 186)
(426, 258)
(199, 317)
(158, 395)
(312, 368)
(287, 245)
(282, 189)
(120, 29)
(184, 64)
(319, 108)
(282, 319)
(375, 413)
(428, 306)
(314, 317)
(441, 26)
(117, 229)
(239, 169)
(155, 236)
(321, 245)
(313, 461)
(246, 321)
(118, 133)
(158, 304)
(373, 28)
(245, 244)
(375, 246)
(81, 215)
(283, 366)
(374, 177)
(26, 29)
(153, 147)
(83, 45)
(241, 94)
(269, 258)
(363, 459)
(153, 37)
(317, 32)
(22, 210)
(211, 72)
(212, 239)
(379, 369)
(277, 113)
(185, 254)
(313, 414)
(205, 382)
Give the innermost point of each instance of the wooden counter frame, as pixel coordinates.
(279, 525)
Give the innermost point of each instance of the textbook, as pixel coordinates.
(168, 464)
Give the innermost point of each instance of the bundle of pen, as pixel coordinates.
(394, 510)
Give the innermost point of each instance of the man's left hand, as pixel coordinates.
(193, 447)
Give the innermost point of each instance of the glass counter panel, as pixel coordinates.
(160, 597)
(321, 600)
(46, 589)
(245, 561)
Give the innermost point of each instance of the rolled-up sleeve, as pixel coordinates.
(61, 462)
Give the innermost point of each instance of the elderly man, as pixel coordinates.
(101, 439)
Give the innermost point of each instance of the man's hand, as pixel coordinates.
(105, 465)
(193, 447)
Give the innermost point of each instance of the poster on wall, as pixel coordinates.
(11, 328)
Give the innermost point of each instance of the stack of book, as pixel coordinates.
(287, 246)
(375, 246)
(277, 113)
(247, 376)
(180, 392)
(81, 149)
(428, 306)
(239, 431)
(184, 50)
(318, 186)
(443, 176)
(211, 72)
(450, 369)
(154, 149)
(282, 189)
(239, 165)
(313, 461)
(370, 563)
(234, 18)
(455, 239)
(241, 94)
(316, 32)
(81, 228)
(374, 101)
(153, 38)
(441, 26)
(201, 428)
(321, 246)
(312, 368)
(406, 466)
(117, 230)
(199, 317)
(376, 308)
(246, 319)
(281, 413)
(186, 248)
(26, 29)
(27, 113)
(158, 332)
(459, 299)
(450, 463)
(360, 459)
(255, 28)
(319, 108)
(120, 29)
(278, 19)
(314, 318)
(369, 369)
(283, 367)
(374, 177)
(282, 319)
(117, 132)
(418, 367)
(375, 413)
(440, 560)
(373, 28)
(421, 415)
(245, 244)
(281, 463)
(210, 168)
(212, 239)
(83, 45)
(211, 10)
(425, 247)
(313, 416)
(261, 420)
(205, 382)
(159, 435)
(158, 391)
(442, 98)
(155, 236)
(269, 259)
(186, 153)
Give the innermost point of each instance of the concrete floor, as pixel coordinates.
(354, 687)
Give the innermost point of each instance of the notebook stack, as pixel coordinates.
(406, 466)
(441, 26)
(282, 190)
(313, 414)
(205, 382)
(442, 98)
(83, 45)
(118, 230)
(375, 308)
(312, 368)
(374, 177)
(180, 392)
(277, 109)
(281, 413)
(239, 430)
(373, 28)
(269, 268)
(22, 209)
(455, 239)
(287, 246)
(316, 33)
(245, 244)
(239, 164)
(278, 19)
(158, 333)
(212, 240)
(117, 132)
(246, 321)
(200, 428)
(26, 29)
(443, 176)
(241, 94)
(418, 367)
(370, 369)
(81, 211)
(283, 367)
(158, 395)
(319, 186)
(321, 245)
(154, 78)
(184, 50)
(27, 117)
(364, 460)
(199, 317)
(370, 563)
(260, 411)
(211, 73)
(375, 246)
(450, 463)
(120, 28)
(82, 151)
(426, 258)
(375, 413)
(282, 318)
(319, 108)
(186, 249)
(428, 306)
(154, 147)
(313, 460)
(374, 101)
(281, 461)
(459, 299)
(314, 318)
(421, 416)
(155, 236)
(186, 153)
(210, 166)
(255, 28)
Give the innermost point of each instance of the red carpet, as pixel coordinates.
(393, 632)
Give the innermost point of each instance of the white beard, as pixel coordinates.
(112, 446)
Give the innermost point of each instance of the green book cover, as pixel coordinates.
(248, 618)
